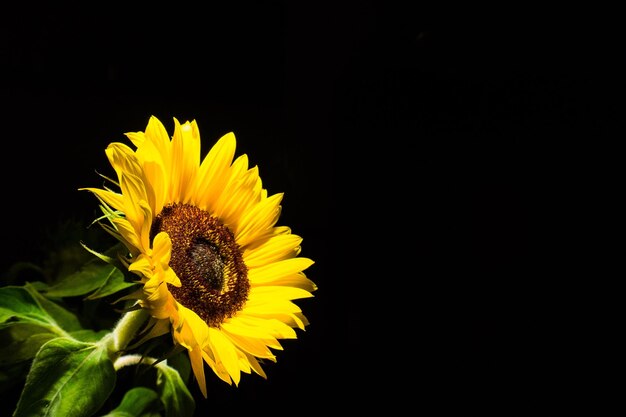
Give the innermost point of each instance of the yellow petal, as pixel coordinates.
(252, 346)
(219, 369)
(262, 328)
(197, 364)
(249, 327)
(133, 191)
(142, 265)
(268, 309)
(279, 269)
(214, 172)
(146, 225)
(186, 157)
(156, 133)
(128, 232)
(114, 200)
(295, 320)
(194, 331)
(271, 293)
(298, 280)
(154, 174)
(123, 159)
(259, 219)
(242, 362)
(242, 194)
(273, 249)
(256, 367)
(224, 352)
(232, 176)
(162, 248)
(158, 300)
(161, 253)
(137, 138)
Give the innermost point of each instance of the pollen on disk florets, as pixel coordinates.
(207, 260)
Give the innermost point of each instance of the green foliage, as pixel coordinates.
(173, 392)
(22, 341)
(97, 278)
(19, 305)
(138, 402)
(57, 322)
(67, 378)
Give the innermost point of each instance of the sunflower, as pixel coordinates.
(216, 271)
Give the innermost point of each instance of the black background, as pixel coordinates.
(435, 170)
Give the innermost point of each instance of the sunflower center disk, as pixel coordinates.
(207, 260)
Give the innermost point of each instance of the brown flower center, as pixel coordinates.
(207, 260)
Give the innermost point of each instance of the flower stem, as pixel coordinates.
(129, 360)
(126, 329)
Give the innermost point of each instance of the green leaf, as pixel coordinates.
(38, 285)
(26, 305)
(138, 402)
(64, 318)
(67, 378)
(26, 349)
(89, 336)
(21, 342)
(90, 277)
(181, 363)
(15, 302)
(18, 304)
(173, 392)
(30, 320)
(114, 282)
(99, 278)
